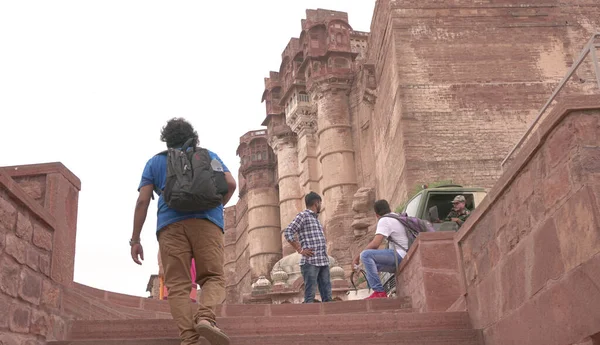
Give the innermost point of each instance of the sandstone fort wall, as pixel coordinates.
(436, 91)
(541, 267)
(458, 84)
(38, 298)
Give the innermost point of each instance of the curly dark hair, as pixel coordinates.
(177, 131)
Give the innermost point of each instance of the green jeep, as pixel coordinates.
(433, 205)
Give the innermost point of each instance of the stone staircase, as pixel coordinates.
(383, 321)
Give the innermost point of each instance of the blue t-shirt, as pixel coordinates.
(155, 173)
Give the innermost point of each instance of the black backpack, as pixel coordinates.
(195, 182)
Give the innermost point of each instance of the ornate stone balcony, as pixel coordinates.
(301, 114)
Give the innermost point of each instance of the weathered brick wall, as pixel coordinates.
(530, 254)
(35, 223)
(458, 83)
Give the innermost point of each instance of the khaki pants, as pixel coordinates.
(179, 242)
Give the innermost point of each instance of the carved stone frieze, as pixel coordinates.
(319, 87)
(277, 142)
(305, 124)
(303, 119)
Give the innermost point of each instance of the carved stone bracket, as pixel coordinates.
(303, 122)
(276, 142)
(362, 204)
(319, 87)
(306, 126)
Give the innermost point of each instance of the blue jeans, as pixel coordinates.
(378, 260)
(313, 276)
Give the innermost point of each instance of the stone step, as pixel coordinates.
(86, 306)
(271, 325)
(438, 337)
(353, 307)
(83, 306)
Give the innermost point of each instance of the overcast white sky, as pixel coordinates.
(90, 83)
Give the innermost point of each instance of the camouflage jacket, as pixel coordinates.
(461, 216)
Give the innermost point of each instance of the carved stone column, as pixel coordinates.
(337, 163)
(290, 194)
(258, 168)
(305, 125)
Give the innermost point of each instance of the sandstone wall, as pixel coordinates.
(38, 208)
(530, 254)
(429, 273)
(457, 84)
(38, 298)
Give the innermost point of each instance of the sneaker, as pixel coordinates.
(209, 331)
(377, 294)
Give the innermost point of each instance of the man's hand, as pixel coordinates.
(137, 253)
(307, 252)
(356, 261)
(139, 217)
(456, 220)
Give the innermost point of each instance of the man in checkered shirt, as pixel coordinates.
(313, 247)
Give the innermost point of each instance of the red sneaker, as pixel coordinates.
(377, 294)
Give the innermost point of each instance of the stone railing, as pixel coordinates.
(429, 273)
(529, 256)
(38, 218)
(38, 213)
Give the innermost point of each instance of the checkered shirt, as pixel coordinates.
(310, 233)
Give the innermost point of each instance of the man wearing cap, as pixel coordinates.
(459, 213)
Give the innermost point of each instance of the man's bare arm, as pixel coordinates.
(141, 210)
(139, 217)
(231, 186)
(374, 244)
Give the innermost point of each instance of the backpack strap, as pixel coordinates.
(187, 144)
(392, 215)
(398, 218)
(184, 148)
(157, 190)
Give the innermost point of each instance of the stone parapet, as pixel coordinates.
(38, 216)
(53, 187)
(530, 253)
(429, 272)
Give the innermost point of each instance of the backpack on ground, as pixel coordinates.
(195, 182)
(413, 227)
